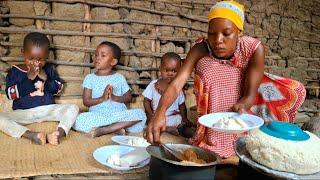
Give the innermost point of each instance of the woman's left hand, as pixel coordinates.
(243, 105)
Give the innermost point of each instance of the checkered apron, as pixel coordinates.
(219, 85)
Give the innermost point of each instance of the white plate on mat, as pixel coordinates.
(102, 155)
(252, 121)
(133, 141)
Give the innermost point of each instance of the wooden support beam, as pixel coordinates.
(95, 21)
(68, 63)
(79, 33)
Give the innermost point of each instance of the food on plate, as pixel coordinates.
(132, 158)
(191, 157)
(300, 157)
(230, 123)
(114, 160)
(138, 142)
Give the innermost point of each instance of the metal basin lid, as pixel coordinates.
(157, 152)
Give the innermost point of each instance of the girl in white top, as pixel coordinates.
(176, 113)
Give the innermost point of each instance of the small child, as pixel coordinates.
(176, 113)
(105, 93)
(32, 87)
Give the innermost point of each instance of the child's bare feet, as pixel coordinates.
(172, 130)
(118, 127)
(100, 131)
(36, 137)
(53, 138)
(121, 132)
(39, 138)
(97, 132)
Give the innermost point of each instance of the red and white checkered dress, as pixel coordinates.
(219, 85)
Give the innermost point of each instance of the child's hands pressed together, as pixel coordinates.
(108, 92)
(42, 74)
(33, 70)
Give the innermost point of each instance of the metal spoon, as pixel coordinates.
(176, 154)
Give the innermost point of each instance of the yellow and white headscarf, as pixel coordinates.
(230, 10)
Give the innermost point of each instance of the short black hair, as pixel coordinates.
(36, 39)
(116, 50)
(171, 55)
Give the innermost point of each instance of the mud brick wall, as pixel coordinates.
(3, 50)
(145, 30)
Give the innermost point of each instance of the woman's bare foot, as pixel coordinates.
(121, 132)
(36, 137)
(172, 130)
(53, 138)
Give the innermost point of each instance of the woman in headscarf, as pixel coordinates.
(229, 77)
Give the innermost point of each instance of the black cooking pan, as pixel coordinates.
(164, 167)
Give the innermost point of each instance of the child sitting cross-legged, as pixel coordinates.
(32, 87)
(105, 93)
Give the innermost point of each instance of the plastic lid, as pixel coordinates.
(284, 130)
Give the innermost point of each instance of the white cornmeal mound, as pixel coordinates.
(230, 123)
(138, 142)
(300, 157)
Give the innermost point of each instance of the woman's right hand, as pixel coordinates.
(157, 124)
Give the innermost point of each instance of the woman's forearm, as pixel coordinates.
(167, 98)
(254, 74)
(172, 92)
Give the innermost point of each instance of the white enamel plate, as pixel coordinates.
(252, 121)
(103, 153)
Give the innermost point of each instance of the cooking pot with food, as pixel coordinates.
(198, 163)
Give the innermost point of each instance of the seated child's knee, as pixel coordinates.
(74, 107)
(71, 107)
